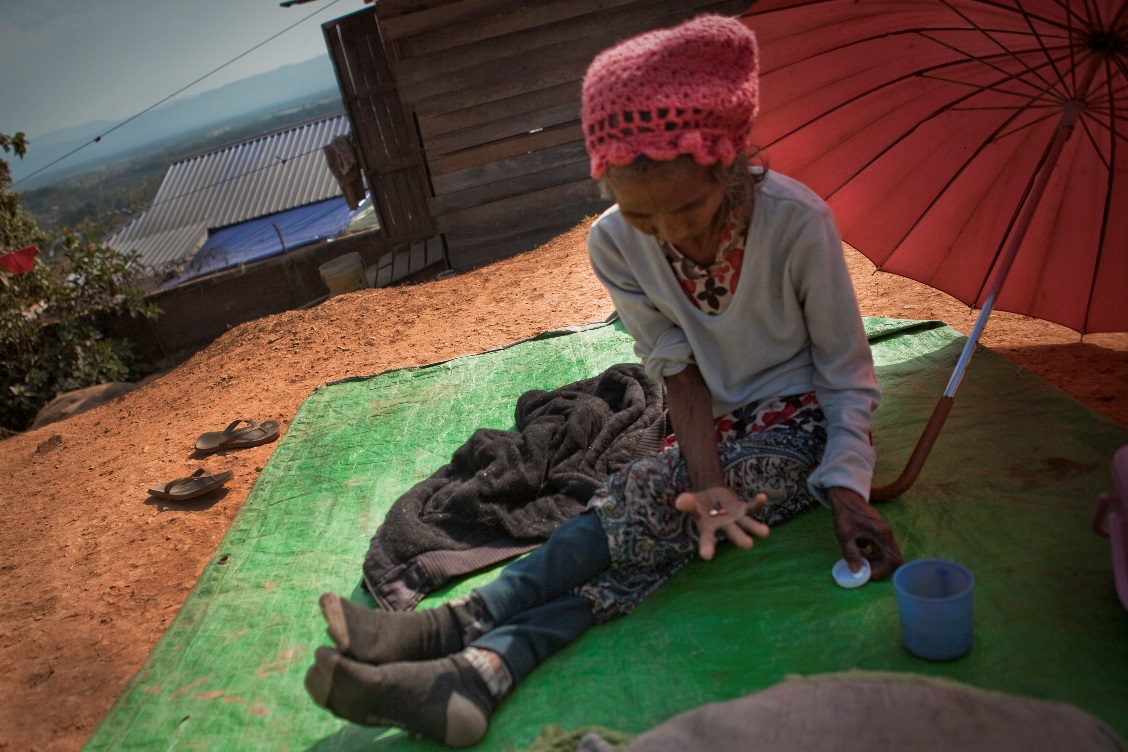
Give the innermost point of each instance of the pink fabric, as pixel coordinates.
(690, 89)
(19, 262)
(924, 134)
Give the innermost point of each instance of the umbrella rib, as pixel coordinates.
(866, 93)
(1121, 16)
(1014, 217)
(1001, 46)
(1040, 95)
(1004, 134)
(1091, 14)
(1008, 76)
(1048, 106)
(1096, 147)
(883, 35)
(927, 74)
(1042, 44)
(938, 111)
(1009, 8)
(1037, 182)
(1089, 5)
(1112, 122)
(751, 11)
(1111, 96)
(1122, 65)
(987, 61)
(936, 199)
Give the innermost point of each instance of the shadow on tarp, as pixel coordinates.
(1007, 491)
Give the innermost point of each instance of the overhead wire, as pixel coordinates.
(176, 93)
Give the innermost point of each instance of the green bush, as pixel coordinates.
(49, 340)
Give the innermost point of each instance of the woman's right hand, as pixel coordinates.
(718, 509)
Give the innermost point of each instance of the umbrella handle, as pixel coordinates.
(916, 460)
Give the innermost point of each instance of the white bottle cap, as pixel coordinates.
(847, 579)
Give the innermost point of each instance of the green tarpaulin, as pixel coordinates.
(1008, 491)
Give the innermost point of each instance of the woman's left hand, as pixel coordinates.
(864, 534)
(718, 509)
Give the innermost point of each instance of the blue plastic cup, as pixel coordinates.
(934, 599)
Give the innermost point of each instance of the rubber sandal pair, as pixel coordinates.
(241, 433)
(197, 484)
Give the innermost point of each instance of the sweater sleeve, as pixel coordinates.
(844, 379)
(659, 341)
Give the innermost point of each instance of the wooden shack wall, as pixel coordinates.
(494, 86)
(389, 150)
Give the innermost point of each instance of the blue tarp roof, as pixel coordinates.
(257, 238)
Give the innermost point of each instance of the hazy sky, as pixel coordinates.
(66, 62)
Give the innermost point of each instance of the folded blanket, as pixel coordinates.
(504, 492)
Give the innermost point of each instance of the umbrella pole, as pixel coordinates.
(912, 469)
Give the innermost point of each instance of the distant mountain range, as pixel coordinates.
(274, 91)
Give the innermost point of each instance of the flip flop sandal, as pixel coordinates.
(241, 433)
(196, 484)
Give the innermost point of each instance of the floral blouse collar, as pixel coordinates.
(711, 288)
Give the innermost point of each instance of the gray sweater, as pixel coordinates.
(792, 327)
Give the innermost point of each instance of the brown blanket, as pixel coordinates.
(504, 492)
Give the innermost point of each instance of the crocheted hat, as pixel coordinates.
(689, 89)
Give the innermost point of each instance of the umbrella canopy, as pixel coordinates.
(977, 146)
(930, 126)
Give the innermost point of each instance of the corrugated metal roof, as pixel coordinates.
(227, 186)
(164, 249)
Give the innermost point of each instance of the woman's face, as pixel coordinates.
(674, 201)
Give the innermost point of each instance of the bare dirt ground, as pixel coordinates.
(93, 570)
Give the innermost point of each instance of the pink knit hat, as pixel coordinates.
(690, 89)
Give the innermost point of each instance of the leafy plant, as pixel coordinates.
(17, 228)
(50, 342)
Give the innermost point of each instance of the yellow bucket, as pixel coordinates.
(344, 274)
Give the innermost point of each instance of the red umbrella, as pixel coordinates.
(977, 146)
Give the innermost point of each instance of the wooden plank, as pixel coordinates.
(526, 104)
(424, 19)
(510, 169)
(561, 62)
(472, 238)
(435, 252)
(504, 149)
(474, 256)
(524, 183)
(510, 216)
(389, 150)
(416, 195)
(540, 73)
(399, 196)
(393, 8)
(574, 53)
(387, 9)
(543, 119)
(609, 25)
(428, 32)
(370, 93)
(383, 276)
(549, 14)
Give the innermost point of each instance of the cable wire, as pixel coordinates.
(179, 91)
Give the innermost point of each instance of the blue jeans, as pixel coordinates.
(532, 603)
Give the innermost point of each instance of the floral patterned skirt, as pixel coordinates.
(769, 447)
